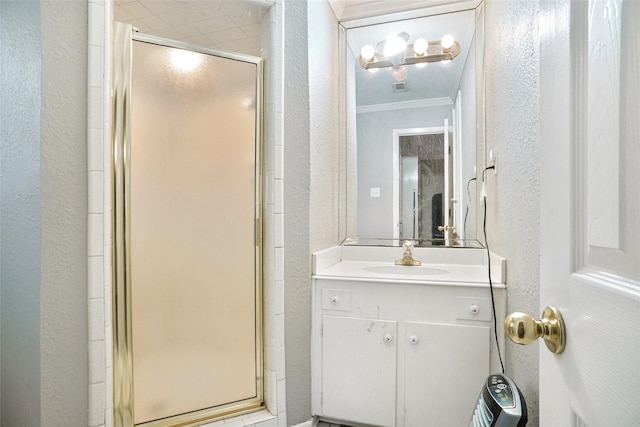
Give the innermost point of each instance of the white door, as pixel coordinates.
(590, 210)
(359, 370)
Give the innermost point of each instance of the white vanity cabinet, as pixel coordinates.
(400, 353)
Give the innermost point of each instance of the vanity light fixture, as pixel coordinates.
(395, 53)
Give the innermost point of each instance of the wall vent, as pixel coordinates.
(399, 86)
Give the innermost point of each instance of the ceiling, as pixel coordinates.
(231, 25)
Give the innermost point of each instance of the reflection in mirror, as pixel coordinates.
(415, 130)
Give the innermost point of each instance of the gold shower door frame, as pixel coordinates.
(121, 237)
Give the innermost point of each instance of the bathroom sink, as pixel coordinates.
(405, 270)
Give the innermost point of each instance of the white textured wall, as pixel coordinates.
(323, 113)
(44, 203)
(512, 99)
(63, 174)
(311, 178)
(20, 212)
(297, 181)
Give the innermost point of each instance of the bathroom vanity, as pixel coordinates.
(402, 345)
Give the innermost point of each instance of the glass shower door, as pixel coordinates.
(192, 234)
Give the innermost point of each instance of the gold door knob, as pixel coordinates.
(522, 328)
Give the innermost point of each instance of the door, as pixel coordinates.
(427, 381)
(419, 182)
(359, 370)
(187, 256)
(590, 210)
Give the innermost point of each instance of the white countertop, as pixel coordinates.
(331, 264)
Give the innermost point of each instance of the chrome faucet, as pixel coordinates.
(407, 255)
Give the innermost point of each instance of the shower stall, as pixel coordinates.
(186, 232)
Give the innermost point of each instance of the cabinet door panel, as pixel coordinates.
(445, 367)
(359, 370)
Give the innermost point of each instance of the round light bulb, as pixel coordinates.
(421, 64)
(420, 47)
(447, 41)
(367, 52)
(372, 70)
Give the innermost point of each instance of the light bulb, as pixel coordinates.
(393, 45)
(372, 70)
(420, 46)
(185, 61)
(447, 41)
(420, 64)
(367, 53)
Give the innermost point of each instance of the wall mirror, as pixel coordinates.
(414, 130)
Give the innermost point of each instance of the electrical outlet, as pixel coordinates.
(375, 192)
(493, 160)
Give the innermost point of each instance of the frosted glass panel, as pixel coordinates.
(193, 274)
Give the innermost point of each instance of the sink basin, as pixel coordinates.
(405, 270)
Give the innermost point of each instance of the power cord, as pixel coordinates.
(466, 214)
(486, 244)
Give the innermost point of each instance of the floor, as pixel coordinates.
(325, 424)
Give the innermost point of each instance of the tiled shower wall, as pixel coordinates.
(99, 222)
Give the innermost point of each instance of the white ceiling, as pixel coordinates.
(231, 25)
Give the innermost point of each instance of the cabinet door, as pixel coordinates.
(359, 370)
(445, 368)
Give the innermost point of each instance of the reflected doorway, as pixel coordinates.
(421, 184)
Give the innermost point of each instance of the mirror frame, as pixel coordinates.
(347, 181)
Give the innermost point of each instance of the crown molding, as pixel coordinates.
(404, 105)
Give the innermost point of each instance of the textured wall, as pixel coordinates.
(323, 113)
(297, 253)
(311, 178)
(512, 99)
(63, 174)
(20, 212)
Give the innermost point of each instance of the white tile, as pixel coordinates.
(96, 192)
(279, 161)
(280, 364)
(108, 345)
(273, 422)
(97, 364)
(96, 319)
(278, 297)
(268, 188)
(107, 113)
(95, 107)
(107, 307)
(122, 15)
(278, 194)
(252, 30)
(95, 235)
(95, 269)
(95, 66)
(96, 404)
(94, 150)
(96, 24)
(231, 422)
(218, 23)
(282, 394)
(279, 230)
(279, 330)
(271, 391)
(136, 10)
(108, 418)
(282, 419)
(256, 418)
